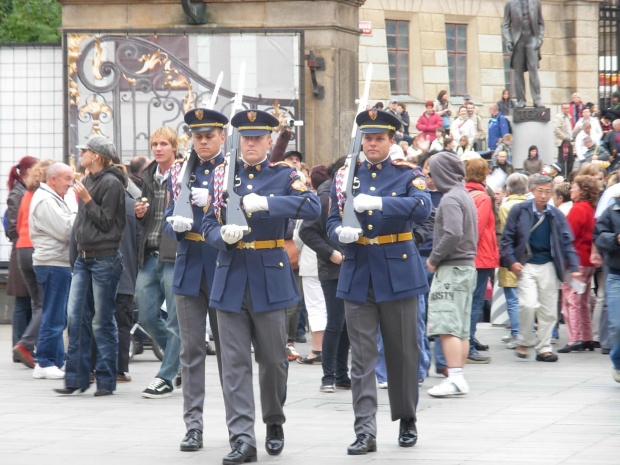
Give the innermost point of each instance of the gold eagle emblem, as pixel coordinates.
(372, 114)
(199, 114)
(252, 116)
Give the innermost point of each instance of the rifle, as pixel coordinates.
(183, 205)
(234, 213)
(349, 217)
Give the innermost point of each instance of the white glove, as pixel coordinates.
(231, 233)
(200, 196)
(347, 234)
(180, 223)
(363, 202)
(254, 203)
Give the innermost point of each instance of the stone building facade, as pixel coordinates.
(569, 52)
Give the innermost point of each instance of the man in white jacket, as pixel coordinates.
(51, 222)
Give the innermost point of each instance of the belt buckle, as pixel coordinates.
(247, 245)
(372, 241)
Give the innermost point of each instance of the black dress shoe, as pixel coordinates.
(274, 441)
(590, 345)
(575, 346)
(408, 435)
(605, 351)
(363, 444)
(68, 390)
(479, 346)
(192, 441)
(103, 393)
(242, 453)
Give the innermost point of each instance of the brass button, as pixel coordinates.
(393, 194)
(404, 256)
(343, 257)
(373, 175)
(372, 188)
(370, 227)
(251, 176)
(249, 230)
(249, 215)
(249, 186)
(369, 212)
(218, 263)
(207, 171)
(270, 195)
(281, 264)
(204, 183)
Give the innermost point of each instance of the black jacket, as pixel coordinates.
(167, 245)
(314, 235)
(100, 223)
(606, 236)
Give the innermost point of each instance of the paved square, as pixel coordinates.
(518, 412)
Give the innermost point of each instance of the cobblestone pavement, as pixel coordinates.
(518, 412)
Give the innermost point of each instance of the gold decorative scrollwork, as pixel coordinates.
(184, 142)
(96, 110)
(152, 61)
(73, 53)
(97, 59)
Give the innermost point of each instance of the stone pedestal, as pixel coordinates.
(532, 126)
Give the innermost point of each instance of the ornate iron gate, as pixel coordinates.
(609, 50)
(124, 86)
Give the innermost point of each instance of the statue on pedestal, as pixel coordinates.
(522, 32)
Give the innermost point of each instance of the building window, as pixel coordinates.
(508, 75)
(456, 46)
(397, 33)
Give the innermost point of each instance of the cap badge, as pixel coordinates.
(199, 114)
(372, 114)
(252, 116)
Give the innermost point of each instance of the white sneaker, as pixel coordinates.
(508, 338)
(383, 385)
(616, 375)
(52, 372)
(450, 387)
(512, 344)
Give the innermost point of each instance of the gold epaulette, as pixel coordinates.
(280, 163)
(404, 163)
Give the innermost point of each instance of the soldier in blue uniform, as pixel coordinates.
(254, 282)
(381, 277)
(194, 267)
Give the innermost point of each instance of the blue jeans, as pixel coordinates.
(21, 317)
(380, 367)
(92, 304)
(335, 338)
(440, 360)
(55, 282)
(612, 293)
(512, 307)
(153, 286)
(423, 344)
(477, 303)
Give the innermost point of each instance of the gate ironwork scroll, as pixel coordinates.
(609, 51)
(124, 86)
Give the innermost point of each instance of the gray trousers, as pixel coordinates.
(192, 316)
(603, 329)
(399, 331)
(266, 330)
(24, 262)
(525, 58)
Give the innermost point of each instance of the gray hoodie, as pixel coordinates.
(456, 221)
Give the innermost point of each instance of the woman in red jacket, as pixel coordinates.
(487, 257)
(584, 193)
(429, 122)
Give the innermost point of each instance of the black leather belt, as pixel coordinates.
(97, 253)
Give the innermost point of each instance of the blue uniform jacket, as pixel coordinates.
(395, 269)
(268, 271)
(193, 258)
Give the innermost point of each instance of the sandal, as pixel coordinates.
(318, 360)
